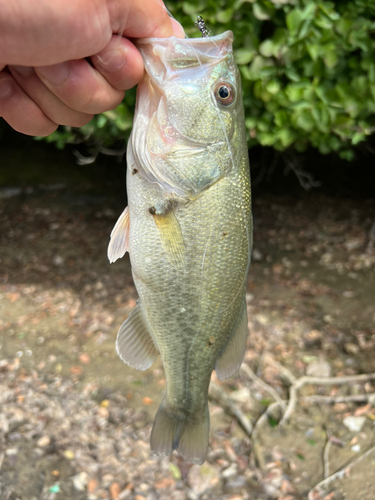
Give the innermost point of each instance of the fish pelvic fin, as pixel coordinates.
(186, 434)
(134, 343)
(229, 362)
(171, 238)
(119, 242)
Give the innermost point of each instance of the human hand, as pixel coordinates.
(45, 80)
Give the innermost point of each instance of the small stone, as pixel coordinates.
(147, 401)
(257, 255)
(241, 396)
(356, 448)
(201, 477)
(43, 442)
(230, 472)
(80, 481)
(103, 412)
(351, 348)
(125, 494)
(69, 454)
(58, 260)
(11, 452)
(114, 490)
(84, 358)
(164, 483)
(235, 484)
(318, 369)
(92, 485)
(354, 424)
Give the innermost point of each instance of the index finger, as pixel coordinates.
(148, 18)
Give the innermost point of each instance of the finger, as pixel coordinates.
(61, 31)
(80, 86)
(136, 19)
(20, 111)
(51, 105)
(120, 63)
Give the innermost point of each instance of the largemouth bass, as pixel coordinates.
(188, 230)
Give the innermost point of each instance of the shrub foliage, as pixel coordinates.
(307, 66)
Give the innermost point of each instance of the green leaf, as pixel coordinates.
(330, 57)
(309, 11)
(358, 137)
(101, 121)
(175, 471)
(293, 20)
(314, 50)
(261, 12)
(190, 9)
(224, 16)
(272, 421)
(266, 48)
(292, 74)
(244, 56)
(273, 87)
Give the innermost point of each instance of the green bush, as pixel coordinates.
(308, 72)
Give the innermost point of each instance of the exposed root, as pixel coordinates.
(339, 474)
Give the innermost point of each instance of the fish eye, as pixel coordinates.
(224, 93)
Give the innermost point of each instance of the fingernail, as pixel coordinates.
(112, 60)
(55, 74)
(5, 88)
(23, 70)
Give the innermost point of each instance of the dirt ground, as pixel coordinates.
(75, 421)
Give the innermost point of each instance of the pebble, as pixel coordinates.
(43, 442)
(115, 490)
(318, 369)
(241, 396)
(354, 424)
(257, 255)
(235, 484)
(230, 472)
(80, 481)
(202, 477)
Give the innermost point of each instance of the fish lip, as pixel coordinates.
(201, 41)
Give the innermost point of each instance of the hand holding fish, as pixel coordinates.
(45, 80)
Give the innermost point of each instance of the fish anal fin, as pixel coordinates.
(119, 241)
(171, 238)
(134, 343)
(229, 362)
(187, 435)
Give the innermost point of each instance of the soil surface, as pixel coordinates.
(75, 421)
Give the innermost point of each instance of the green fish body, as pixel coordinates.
(188, 230)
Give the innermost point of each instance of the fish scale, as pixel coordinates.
(189, 232)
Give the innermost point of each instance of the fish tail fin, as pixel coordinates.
(188, 435)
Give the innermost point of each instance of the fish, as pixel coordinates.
(188, 231)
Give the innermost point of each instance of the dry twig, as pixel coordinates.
(271, 391)
(319, 381)
(218, 394)
(327, 447)
(356, 398)
(340, 473)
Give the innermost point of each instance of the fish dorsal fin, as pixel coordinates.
(119, 241)
(171, 238)
(230, 360)
(134, 343)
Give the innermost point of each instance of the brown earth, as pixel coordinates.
(75, 421)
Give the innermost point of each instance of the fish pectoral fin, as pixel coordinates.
(119, 241)
(134, 343)
(187, 435)
(171, 238)
(230, 360)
